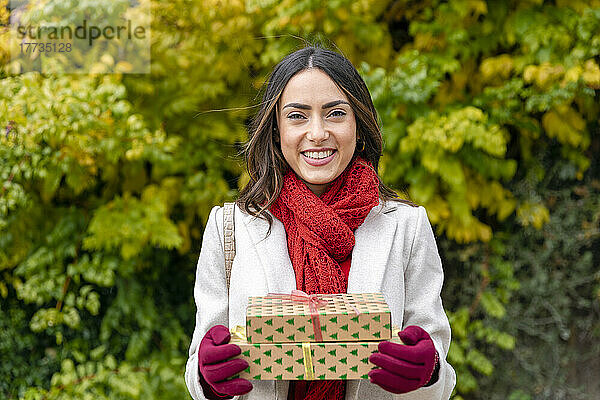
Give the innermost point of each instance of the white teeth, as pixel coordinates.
(318, 154)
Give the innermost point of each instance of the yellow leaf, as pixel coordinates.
(484, 232)
(123, 67)
(529, 73)
(591, 74)
(565, 124)
(506, 208)
(431, 159)
(107, 59)
(426, 41)
(573, 74)
(478, 7)
(543, 75)
(437, 210)
(135, 152)
(98, 68)
(129, 249)
(472, 197)
(496, 67)
(533, 214)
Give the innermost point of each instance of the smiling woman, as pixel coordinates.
(326, 224)
(308, 83)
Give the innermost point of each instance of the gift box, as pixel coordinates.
(298, 317)
(305, 361)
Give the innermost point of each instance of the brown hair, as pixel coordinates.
(264, 160)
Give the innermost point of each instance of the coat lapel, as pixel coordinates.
(273, 253)
(374, 240)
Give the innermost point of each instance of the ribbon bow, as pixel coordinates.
(311, 299)
(314, 303)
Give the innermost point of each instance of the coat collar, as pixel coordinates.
(374, 240)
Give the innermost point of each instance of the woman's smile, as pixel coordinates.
(318, 157)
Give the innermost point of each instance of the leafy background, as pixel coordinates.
(490, 120)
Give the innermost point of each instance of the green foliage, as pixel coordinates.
(490, 116)
(551, 320)
(27, 358)
(555, 313)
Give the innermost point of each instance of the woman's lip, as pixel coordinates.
(322, 161)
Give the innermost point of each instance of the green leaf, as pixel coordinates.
(479, 362)
(492, 305)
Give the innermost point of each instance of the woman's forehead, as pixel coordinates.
(311, 86)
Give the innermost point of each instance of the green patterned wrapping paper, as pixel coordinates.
(333, 360)
(277, 321)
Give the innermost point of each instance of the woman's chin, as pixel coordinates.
(318, 180)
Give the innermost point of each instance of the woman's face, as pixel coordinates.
(317, 128)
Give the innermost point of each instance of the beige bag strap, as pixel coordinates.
(228, 238)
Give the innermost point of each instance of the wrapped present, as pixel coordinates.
(305, 361)
(299, 317)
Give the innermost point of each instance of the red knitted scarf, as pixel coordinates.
(320, 235)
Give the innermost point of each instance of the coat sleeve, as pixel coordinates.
(424, 277)
(210, 295)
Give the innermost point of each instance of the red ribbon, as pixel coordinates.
(314, 303)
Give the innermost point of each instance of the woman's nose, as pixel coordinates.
(317, 132)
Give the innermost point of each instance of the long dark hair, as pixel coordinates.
(264, 159)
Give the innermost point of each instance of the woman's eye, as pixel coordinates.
(338, 113)
(295, 116)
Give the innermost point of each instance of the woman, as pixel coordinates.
(315, 217)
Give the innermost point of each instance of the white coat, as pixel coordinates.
(395, 254)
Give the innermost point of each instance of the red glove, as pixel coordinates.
(405, 367)
(214, 366)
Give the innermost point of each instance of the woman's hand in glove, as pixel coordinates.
(405, 367)
(215, 367)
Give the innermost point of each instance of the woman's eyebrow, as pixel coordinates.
(307, 107)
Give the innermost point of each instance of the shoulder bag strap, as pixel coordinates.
(229, 238)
